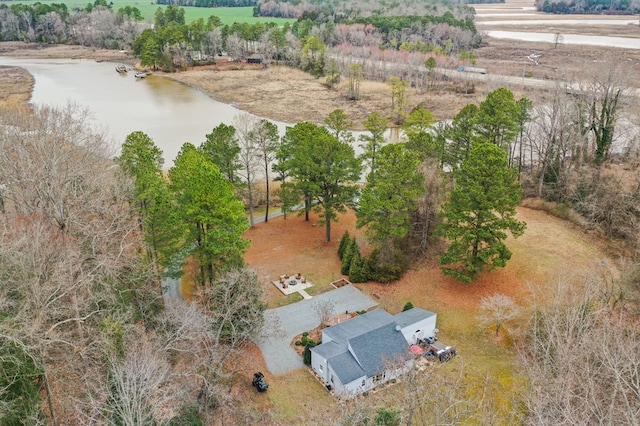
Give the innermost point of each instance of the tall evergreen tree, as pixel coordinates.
(338, 123)
(267, 139)
(391, 195)
(480, 211)
(214, 217)
(142, 161)
(344, 242)
(376, 124)
(222, 148)
(325, 170)
(497, 118)
(461, 134)
(419, 131)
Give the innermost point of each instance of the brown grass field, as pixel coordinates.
(551, 249)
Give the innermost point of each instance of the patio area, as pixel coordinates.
(295, 283)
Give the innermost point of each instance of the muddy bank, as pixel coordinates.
(290, 95)
(277, 92)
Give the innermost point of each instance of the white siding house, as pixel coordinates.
(370, 349)
(416, 324)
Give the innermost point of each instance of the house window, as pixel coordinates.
(331, 379)
(363, 382)
(320, 367)
(378, 377)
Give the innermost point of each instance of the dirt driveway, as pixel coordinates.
(286, 322)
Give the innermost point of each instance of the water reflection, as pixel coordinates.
(171, 113)
(164, 90)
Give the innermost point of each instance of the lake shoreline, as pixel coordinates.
(277, 93)
(289, 95)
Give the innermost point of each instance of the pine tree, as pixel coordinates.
(351, 250)
(344, 241)
(358, 272)
(481, 208)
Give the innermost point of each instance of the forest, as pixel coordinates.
(340, 11)
(209, 3)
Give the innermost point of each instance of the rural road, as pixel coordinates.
(284, 323)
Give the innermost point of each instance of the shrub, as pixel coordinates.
(350, 251)
(344, 243)
(386, 417)
(306, 355)
(358, 270)
(188, 417)
(407, 306)
(386, 271)
(298, 343)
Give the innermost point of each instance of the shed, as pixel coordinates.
(255, 59)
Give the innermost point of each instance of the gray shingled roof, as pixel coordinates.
(341, 333)
(412, 316)
(329, 350)
(374, 341)
(346, 367)
(373, 350)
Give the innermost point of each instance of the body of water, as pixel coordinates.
(171, 113)
(570, 22)
(605, 41)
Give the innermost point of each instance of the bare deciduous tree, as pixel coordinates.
(249, 155)
(325, 310)
(497, 309)
(355, 77)
(67, 245)
(141, 388)
(582, 356)
(604, 88)
(210, 332)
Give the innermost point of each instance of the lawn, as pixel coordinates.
(549, 249)
(228, 15)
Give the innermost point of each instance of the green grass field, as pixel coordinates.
(228, 15)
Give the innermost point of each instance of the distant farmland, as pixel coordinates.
(228, 15)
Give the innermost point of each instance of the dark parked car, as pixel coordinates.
(259, 382)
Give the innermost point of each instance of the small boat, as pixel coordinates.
(121, 68)
(141, 74)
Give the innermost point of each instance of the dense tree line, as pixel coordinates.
(84, 334)
(375, 43)
(209, 3)
(341, 10)
(626, 7)
(401, 49)
(95, 25)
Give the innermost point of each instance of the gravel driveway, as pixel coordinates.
(283, 324)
